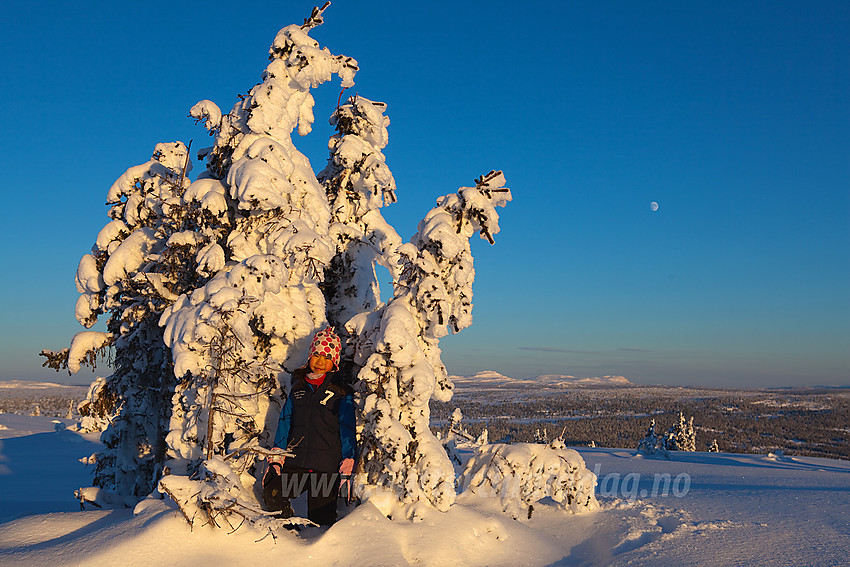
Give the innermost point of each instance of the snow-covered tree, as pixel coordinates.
(214, 288)
(714, 447)
(681, 436)
(689, 438)
(233, 337)
(652, 443)
(397, 346)
(458, 440)
(541, 437)
(137, 268)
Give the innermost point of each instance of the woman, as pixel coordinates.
(317, 426)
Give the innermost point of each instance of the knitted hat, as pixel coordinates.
(328, 344)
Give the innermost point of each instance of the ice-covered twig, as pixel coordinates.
(315, 18)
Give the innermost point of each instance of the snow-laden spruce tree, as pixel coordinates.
(681, 435)
(137, 268)
(686, 435)
(232, 338)
(397, 346)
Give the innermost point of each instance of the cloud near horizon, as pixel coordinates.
(571, 351)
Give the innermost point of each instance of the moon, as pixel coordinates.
(653, 206)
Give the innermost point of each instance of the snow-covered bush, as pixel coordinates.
(521, 474)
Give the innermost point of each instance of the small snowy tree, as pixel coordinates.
(457, 439)
(690, 438)
(714, 447)
(541, 437)
(681, 436)
(652, 443)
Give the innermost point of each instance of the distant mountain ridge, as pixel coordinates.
(35, 385)
(492, 379)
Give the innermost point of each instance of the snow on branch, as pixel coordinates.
(207, 112)
(86, 346)
(221, 498)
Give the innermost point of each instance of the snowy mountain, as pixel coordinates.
(694, 509)
(492, 379)
(47, 386)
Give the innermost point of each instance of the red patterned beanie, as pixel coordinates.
(328, 344)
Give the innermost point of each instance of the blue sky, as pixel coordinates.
(734, 117)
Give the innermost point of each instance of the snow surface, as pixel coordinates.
(737, 510)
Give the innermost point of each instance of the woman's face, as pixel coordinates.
(321, 364)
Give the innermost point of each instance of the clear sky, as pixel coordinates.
(734, 117)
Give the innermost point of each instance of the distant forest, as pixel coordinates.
(803, 422)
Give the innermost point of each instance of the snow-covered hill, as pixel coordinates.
(7, 386)
(491, 379)
(695, 509)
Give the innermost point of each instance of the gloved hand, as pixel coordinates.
(278, 456)
(346, 467)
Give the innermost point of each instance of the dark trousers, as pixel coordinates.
(322, 490)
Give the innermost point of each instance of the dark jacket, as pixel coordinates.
(317, 424)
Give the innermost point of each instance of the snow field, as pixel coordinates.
(739, 510)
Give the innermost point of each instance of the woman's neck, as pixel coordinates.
(315, 379)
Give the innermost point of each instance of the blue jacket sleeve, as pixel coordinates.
(347, 433)
(281, 437)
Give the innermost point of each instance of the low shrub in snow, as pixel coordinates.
(523, 473)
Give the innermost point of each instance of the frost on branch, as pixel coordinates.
(397, 347)
(523, 473)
